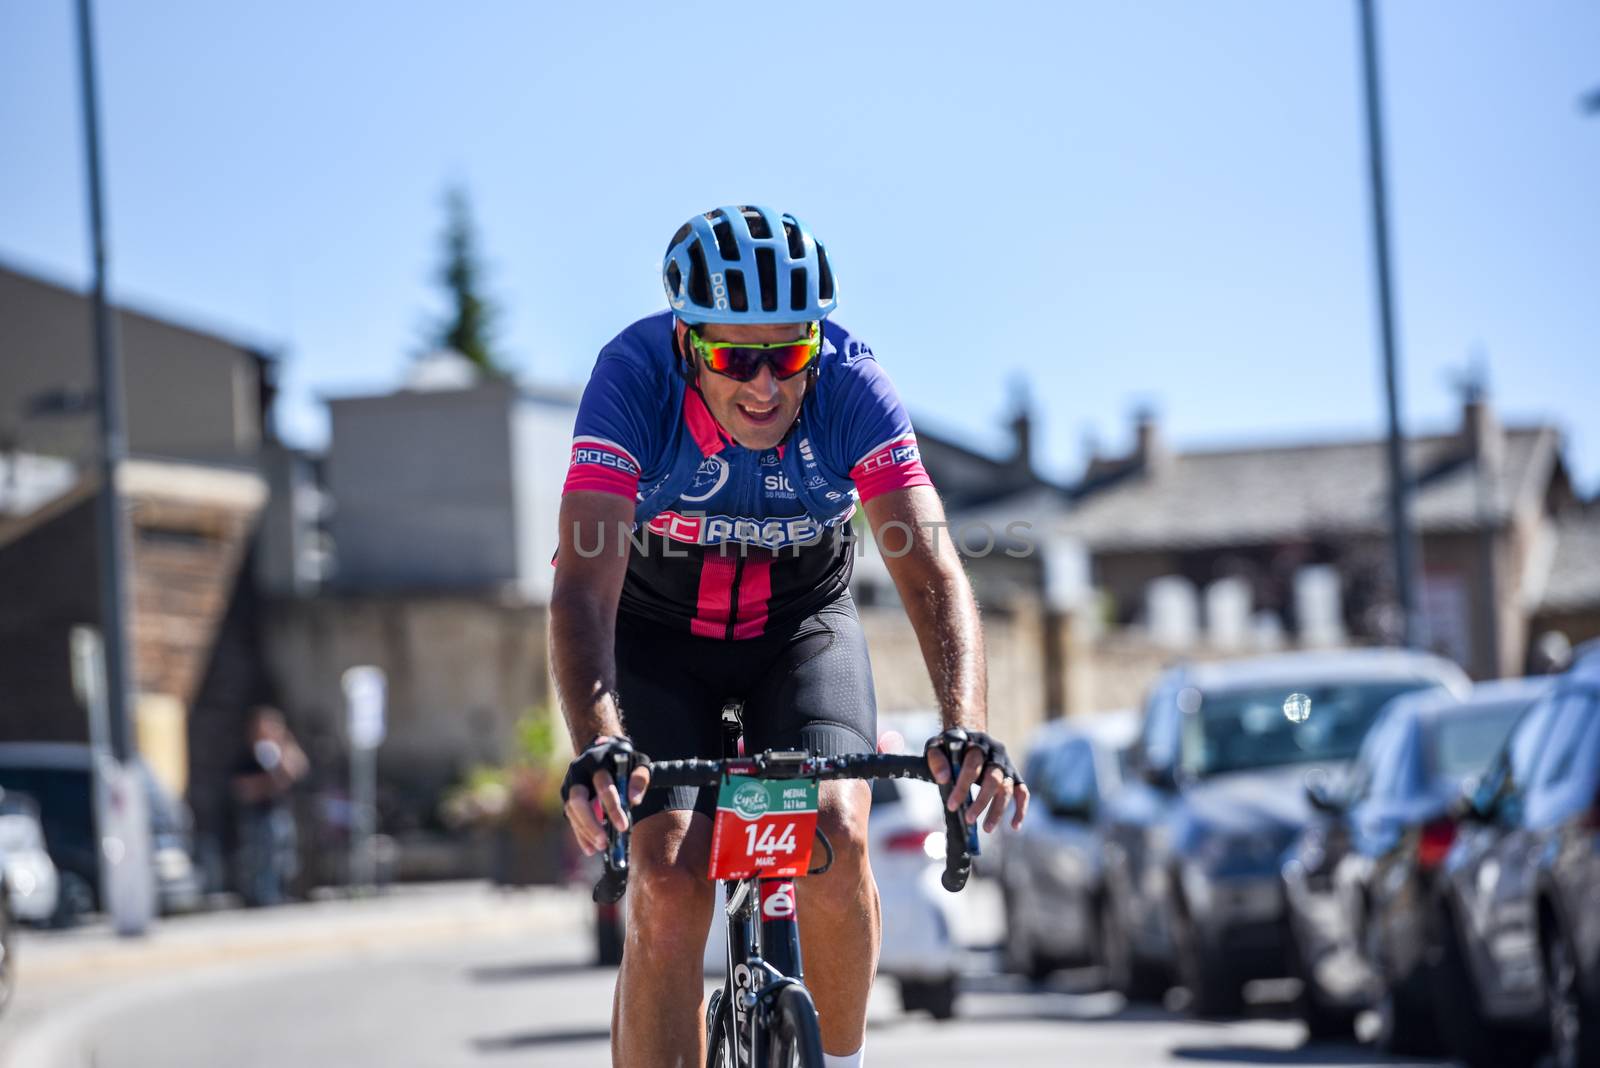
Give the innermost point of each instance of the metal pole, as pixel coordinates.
(113, 551)
(1399, 488)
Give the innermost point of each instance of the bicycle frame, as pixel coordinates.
(763, 956)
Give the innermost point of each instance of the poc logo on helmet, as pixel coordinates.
(719, 292)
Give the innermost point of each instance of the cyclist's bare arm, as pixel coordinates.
(591, 563)
(933, 586)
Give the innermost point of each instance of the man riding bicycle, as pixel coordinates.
(705, 555)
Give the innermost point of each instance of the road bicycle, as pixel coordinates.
(763, 1015)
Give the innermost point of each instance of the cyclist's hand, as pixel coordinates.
(589, 778)
(983, 761)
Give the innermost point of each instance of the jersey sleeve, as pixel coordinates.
(874, 441)
(614, 435)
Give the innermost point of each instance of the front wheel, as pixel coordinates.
(793, 1037)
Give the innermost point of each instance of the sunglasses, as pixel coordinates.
(742, 362)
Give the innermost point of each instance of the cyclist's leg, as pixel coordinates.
(670, 712)
(818, 694)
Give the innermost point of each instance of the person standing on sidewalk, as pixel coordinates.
(263, 785)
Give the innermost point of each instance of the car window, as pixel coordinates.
(1391, 775)
(1461, 743)
(1358, 782)
(1527, 738)
(1571, 722)
(1235, 730)
(1070, 775)
(1161, 729)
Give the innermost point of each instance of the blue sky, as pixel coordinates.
(1123, 203)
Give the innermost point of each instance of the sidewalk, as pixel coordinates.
(62, 975)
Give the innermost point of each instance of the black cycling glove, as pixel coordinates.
(958, 740)
(615, 755)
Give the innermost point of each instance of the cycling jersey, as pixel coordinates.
(729, 541)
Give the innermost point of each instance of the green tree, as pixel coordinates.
(469, 326)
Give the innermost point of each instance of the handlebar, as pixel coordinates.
(961, 838)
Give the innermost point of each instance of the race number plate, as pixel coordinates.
(764, 827)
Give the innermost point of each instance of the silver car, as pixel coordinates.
(1051, 870)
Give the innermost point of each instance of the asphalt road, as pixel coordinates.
(485, 1002)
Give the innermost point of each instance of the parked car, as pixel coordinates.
(1359, 880)
(8, 943)
(30, 874)
(57, 776)
(1195, 840)
(1518, 921)
(1051, 871)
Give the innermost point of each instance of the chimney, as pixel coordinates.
(1021, 428)
(1150, 453)
(1481, 435)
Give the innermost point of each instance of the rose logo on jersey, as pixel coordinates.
(750, 800)
(711, 477)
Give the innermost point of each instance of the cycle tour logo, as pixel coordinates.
(750, 800)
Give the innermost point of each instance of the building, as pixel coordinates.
(198, 410)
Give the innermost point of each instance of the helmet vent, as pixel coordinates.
(737, 300)
(674, 279)
(699, 277)
(824, 283)
(759, 227)
(797, 244)
(725, 242)
(797, 289)
(767, 276)
(683, 232)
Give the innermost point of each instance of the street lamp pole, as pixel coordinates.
(113, 438)
(1399, 488)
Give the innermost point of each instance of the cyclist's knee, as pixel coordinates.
(670, 891)
(842, 816)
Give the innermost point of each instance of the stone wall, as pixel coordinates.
(461, 672)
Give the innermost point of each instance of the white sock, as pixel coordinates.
(849, 1060)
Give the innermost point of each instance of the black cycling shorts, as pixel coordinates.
(804, 685)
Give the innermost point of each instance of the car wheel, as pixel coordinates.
(1214, 991)
(1019, 954)
(1574, 1019)
(8, 959)
(74, 900)
(1125, 972)
(1475, 1040)
(1325, 1021)
(1406, 1023)
(936, 997)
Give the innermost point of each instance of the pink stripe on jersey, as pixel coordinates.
(716, 594)
(703, 426)
(755, 593)
(601, 466)
(893, 465)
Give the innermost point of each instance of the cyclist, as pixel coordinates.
(720, 450)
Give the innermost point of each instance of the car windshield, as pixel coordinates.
(1464, 742)
(1232, 730)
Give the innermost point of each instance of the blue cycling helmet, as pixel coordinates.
(747, 265)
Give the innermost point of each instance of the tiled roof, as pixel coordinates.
(1254, 495)
(1574, 583)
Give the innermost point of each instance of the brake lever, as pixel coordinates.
(613, 881)
(960, 837)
